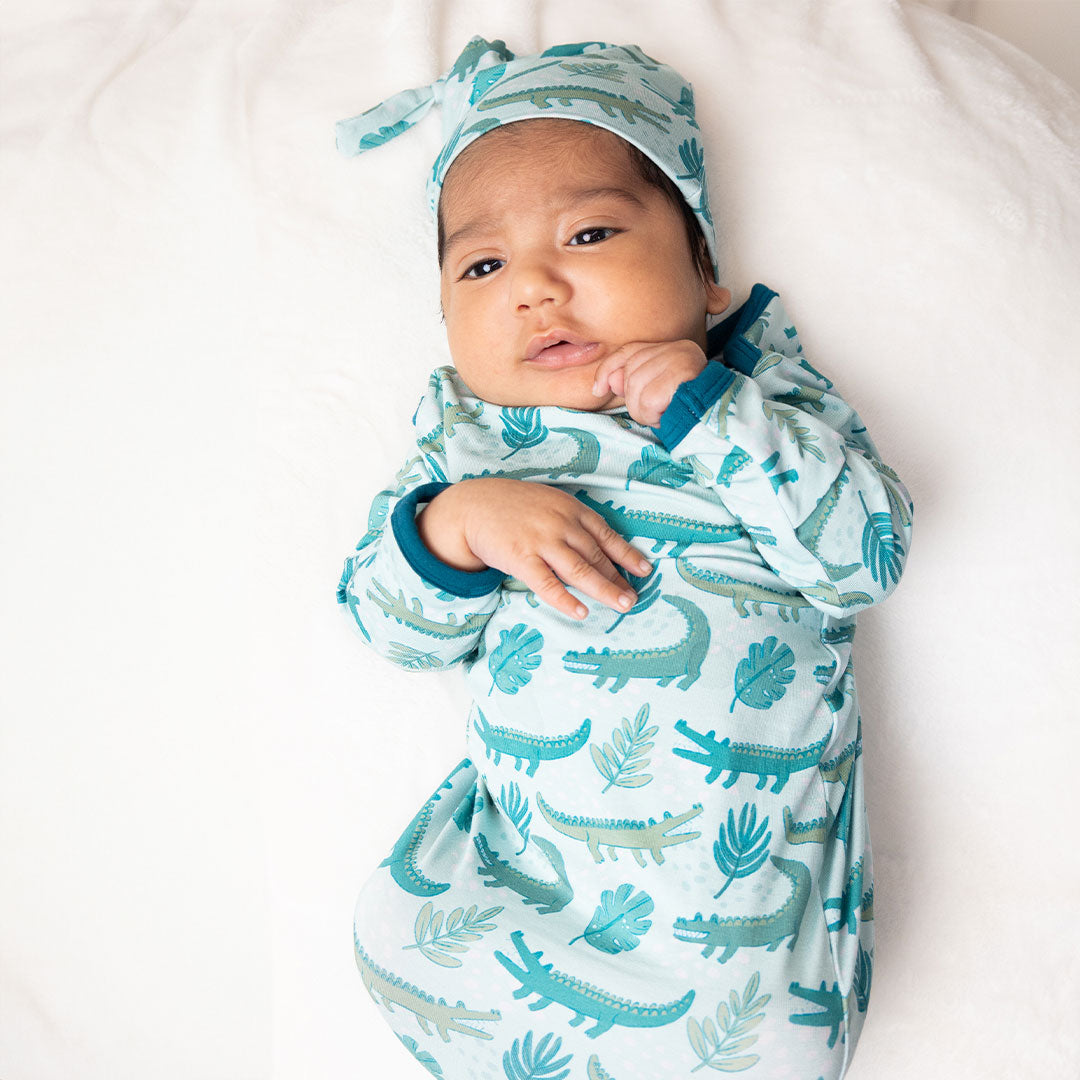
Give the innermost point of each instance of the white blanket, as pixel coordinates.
(215, 331)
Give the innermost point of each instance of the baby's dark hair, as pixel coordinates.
(649, 173)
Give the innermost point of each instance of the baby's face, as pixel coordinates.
(551, 234)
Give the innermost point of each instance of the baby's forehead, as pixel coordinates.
(554, 150)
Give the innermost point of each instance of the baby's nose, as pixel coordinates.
(537, 282)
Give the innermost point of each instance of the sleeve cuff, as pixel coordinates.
(465, 583)
(691, 401)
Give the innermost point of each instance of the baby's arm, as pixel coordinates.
(792, 460)
(534, 532)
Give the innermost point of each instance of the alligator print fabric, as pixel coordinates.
(654, 857)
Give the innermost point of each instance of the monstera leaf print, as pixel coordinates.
(517, 655)
(522, 428)
(762, 677)
(882, 548)
(619, 921)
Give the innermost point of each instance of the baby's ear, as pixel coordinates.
(717, 299)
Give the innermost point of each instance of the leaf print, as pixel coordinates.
(745, 1014)
(762, 677)
(619, 922)
(522, 428)
(517, 810)
(422, 1056)
(413, 659)
(741, 849)
(521, 1062)
(515, 657)
(656, 467)
(800, 435)
(460, 926)
(621, 767)
(647, 594)
(864, 970)
(882, 548)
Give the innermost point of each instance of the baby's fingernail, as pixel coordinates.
(580, 611)
(645, 566)
(625, 600)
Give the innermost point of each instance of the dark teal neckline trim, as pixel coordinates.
(464, 583)
(728, 352)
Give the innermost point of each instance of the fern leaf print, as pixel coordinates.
(522, 1062)
(882, 548)
(435, 941)
(725, 1053)
(517, 655)
(621, 764)
(742, 848)
(800, 434)
(619, 921)
(648, 592)
(762, 677)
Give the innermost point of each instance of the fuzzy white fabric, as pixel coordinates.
(215, 333)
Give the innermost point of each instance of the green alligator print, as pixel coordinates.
(661, 528)
(398, 609)
(742, 593)
(756, 758)
(584, 999)
(402, 857)
(809, 532)
(746, 931)
(553, 895)
(525, 746)
(834, 1004)
(584, 461)
(665, 663)
(396, 991)
(434, 441)
(838, 769)
(808, 832)
(637, 836)
(543, 96)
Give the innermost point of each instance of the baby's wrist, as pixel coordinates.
(441, 527)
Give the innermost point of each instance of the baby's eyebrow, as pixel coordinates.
(483, 225)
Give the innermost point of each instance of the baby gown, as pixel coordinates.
(655, 857)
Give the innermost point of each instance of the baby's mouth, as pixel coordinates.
(566, 354)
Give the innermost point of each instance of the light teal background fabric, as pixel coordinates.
(711, 736)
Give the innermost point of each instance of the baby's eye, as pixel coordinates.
(592, 233)
(484, 268)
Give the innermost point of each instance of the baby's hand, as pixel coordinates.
(647, 374)
(534, 532)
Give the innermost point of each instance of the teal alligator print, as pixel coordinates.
(394, 990)
(637, 836)
(402, 858)
(734, 932)
(584, 999)
(743, 592)
(551, 895)
(665, 663)
(835, 1007)
(756, 758)
(850, 901)
(528, 747)
(681, 532)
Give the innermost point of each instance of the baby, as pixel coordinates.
(701, 718)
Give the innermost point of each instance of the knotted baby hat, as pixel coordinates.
(617, 87)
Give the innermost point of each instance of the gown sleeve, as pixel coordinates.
(411, 607)
(793, 462)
